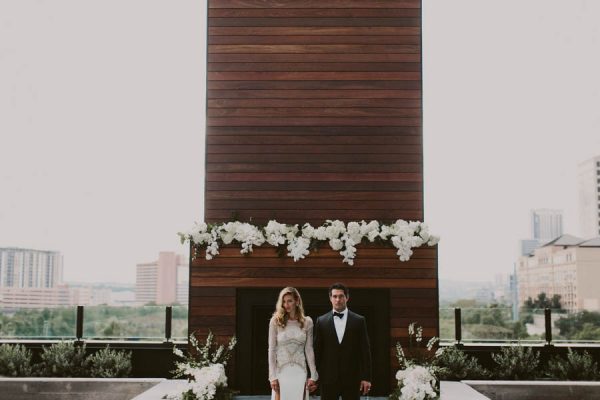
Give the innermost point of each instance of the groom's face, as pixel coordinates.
(338, 299)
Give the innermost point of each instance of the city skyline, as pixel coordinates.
(105, 127)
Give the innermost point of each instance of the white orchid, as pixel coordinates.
(416, 383)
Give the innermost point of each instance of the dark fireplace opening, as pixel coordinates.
(255, 307)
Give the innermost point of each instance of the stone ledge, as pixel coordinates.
(74, 388)
(551, 390)
(449, 391)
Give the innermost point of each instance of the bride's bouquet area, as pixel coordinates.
(204, 369)
(418, 376)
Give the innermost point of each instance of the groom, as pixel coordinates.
(342, 352)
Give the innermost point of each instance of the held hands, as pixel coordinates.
(311, 385)
(275, 385)
(365, 387)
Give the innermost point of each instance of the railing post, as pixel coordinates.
(457, 326)
(79, 328)
(548, 320)
(168, 319)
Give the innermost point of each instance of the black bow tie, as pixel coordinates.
(338, 314)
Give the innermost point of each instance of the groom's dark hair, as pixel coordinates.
(339, 286)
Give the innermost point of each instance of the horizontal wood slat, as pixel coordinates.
(316, 103)
(314, 112)
(313, 282)
(306, 167)
(317, 58)
(332, 4)
(315, 31)
(346, 131)
(313, 216)
(314, 195)
(312, 12)
(399, 21)
(297, 39)
(276, 187)
(313, 67)
(310, 205)
(312, 121)
(314, 94)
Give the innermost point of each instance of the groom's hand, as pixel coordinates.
(365, 387)
(311, 385)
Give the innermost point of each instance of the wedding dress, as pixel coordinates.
(290, 348)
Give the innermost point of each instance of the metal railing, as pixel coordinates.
(544, 337)
(148, 323)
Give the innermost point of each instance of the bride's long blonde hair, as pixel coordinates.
(280, 316)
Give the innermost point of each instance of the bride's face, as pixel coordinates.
(289, 304)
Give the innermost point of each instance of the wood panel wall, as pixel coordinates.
(314, 112)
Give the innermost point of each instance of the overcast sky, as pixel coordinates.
(102, 123)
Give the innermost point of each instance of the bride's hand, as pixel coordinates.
(275, 385)
(311, 385)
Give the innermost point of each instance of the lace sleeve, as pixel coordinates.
(308, 350)
(272, 350)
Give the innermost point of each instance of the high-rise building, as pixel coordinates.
(588, 182)
(162, 281)
(527, 246)
(566, 266)
(29, 268)
(546, 225)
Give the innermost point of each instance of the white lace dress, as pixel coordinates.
(290, 349)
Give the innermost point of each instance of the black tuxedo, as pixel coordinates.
(342, 366)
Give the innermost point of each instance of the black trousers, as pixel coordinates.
(332, 391)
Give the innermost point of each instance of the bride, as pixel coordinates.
(290, 348)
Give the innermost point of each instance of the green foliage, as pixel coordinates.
(584, 325)
(107, 363)
(516, 362)
(454, 365)
(543, 301)
(576, 367)
(63, 359)
(15, 361)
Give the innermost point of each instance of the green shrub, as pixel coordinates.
(576, 367)
(516, 362)
(63, 359)
(15, 360)
(455, 365)
(107, 363)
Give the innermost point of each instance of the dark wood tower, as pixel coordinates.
(314, 113)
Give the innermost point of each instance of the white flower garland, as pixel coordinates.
(341, 237)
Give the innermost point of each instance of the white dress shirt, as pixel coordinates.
(340, 324)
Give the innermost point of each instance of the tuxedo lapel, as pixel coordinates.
(332, 330)
(349, 321)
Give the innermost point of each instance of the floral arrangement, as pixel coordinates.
(418, 376)
(403, 235)
(205, 371)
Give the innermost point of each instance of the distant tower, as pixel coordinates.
(162, 281)
(546, 225)
(588, 186)
(30, 268)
